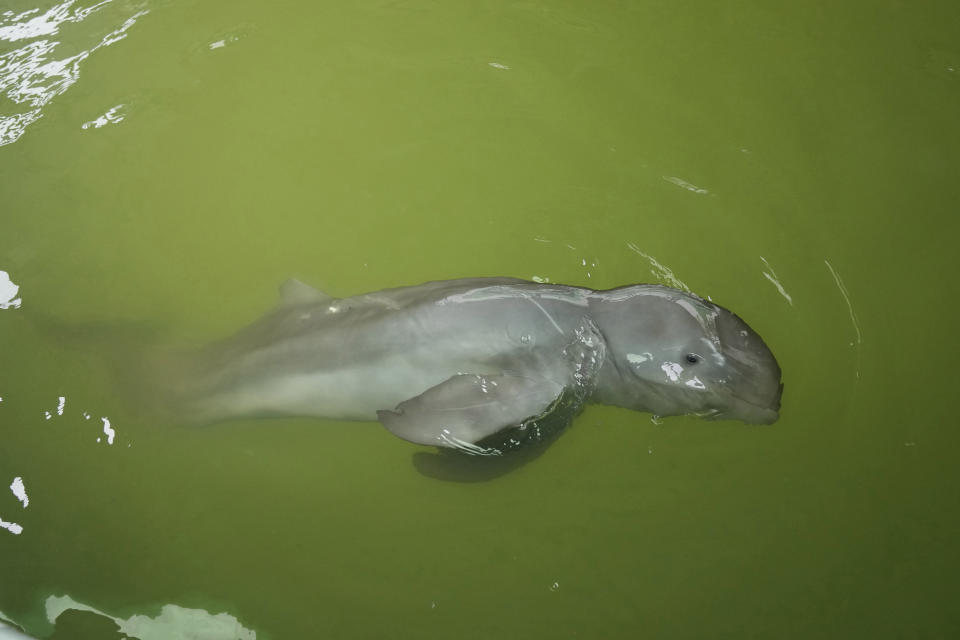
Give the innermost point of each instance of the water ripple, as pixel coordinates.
(32, 75)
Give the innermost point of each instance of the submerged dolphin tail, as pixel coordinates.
(148, 380)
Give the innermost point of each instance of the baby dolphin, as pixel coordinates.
(484, 365)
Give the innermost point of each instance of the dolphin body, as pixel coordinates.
(466, 363)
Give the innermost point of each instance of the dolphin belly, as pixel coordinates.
(347, 393)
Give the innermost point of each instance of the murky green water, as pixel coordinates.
(166, 164)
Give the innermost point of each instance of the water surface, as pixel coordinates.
(165, 165)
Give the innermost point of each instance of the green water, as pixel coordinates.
(743, 146)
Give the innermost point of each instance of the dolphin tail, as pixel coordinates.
(151, 381)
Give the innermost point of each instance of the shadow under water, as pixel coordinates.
(453, 466)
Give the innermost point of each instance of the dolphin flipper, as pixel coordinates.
(466, 408)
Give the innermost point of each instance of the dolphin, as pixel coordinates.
(485, 365)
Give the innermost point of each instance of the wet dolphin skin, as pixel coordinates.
(452, 363)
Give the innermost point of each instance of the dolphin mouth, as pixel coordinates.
(753, 412)
(756, 384)
(747, 411)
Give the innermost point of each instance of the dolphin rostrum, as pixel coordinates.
(483, 364)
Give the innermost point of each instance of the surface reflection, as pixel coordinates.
(661, 273)
(771, 275)
(9, 633)
(18, 489)
(28, 24)
(8, 292)
(112, 116)
(12, 527)
(846, 298)
(33, 74)
(172, 623)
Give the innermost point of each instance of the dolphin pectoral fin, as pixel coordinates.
(294, 292)
(465, 409)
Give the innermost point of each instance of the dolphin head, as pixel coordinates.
(672, 353)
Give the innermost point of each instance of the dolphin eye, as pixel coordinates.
(693, 358)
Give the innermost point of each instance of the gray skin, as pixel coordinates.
(451, 363)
